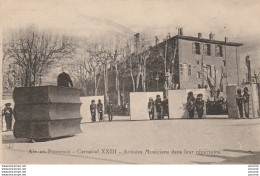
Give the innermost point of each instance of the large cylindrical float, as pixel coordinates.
(46, 112)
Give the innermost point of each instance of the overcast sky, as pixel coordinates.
(237, 19)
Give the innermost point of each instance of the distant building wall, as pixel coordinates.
(216, 64)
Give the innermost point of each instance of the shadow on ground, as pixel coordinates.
(9, 139)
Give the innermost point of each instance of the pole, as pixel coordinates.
(202, 69)
(237, 67)
(157, 85)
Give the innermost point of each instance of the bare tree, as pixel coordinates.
(35, 51)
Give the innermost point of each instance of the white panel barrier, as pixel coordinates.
(178, 101)
(85, 107)
(139, 103)
(233, 111)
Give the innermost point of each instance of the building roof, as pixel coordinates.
(205, 40)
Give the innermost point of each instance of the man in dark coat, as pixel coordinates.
(93, 108)
(246, 97)
(8, 113)
(151, 108)
(110, 110)
(191, 105)
(165, 107)
(64, 79)
(100, 110)
(159, 108)
(239, 99)
(200, 105)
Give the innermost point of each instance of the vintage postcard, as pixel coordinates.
(130, 82)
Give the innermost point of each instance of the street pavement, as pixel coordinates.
(174, 141)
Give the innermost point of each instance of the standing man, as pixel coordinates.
(190, 105)
(165, 107)
(239, 100)
(110, 111)
(159, 108)
(93, 108)
(246, 97)
(200, 105)
(64, 79)
(151, 108)
(8, 113)
(100, 110)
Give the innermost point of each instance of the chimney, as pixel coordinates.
(226, 40)
(211, 36)
(180, 31)
(199, 35)
(156, 40)
(136, 42)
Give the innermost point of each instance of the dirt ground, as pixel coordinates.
(179, 141)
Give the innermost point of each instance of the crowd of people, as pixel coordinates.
(217, 106)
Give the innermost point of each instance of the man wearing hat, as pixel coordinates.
(64, 79)
(159, 108)
(239, 100)
(8, 113)
(199, 104)
(110, 109)
(246, 102)
(93, 108)
(100, 110)
(190, 105)
(151, 108)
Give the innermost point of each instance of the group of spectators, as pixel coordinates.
(217, 106)
(98, 109)
(160, 106)
(122, 110)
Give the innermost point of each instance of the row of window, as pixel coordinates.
(206, 49)
(185, 70)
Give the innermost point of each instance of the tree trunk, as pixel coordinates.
(131, 73)
(138, 76)
(117, 84)
(144, 76)
(95, 83)
(105, 82)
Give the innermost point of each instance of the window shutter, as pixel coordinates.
(193, 48)
(198, 74)
(189, 70)
(204, 49)
(216, 50)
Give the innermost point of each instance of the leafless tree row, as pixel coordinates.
(33, 52)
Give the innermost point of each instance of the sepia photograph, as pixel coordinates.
(130, 82)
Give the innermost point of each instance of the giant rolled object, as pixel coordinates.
(46, 112)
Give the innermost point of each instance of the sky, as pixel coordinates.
(236, 19)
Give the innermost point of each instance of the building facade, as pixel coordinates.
(179, 62)
(207, 62)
